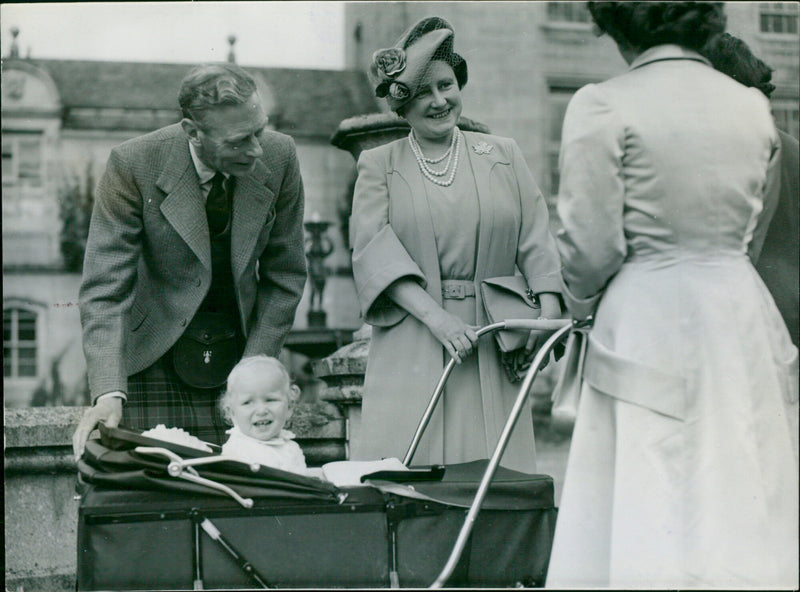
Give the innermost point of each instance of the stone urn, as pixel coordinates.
(343, 371)
(363, 132)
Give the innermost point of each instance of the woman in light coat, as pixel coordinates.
(433, 215)
(681, 472)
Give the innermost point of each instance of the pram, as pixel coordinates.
(155, 515)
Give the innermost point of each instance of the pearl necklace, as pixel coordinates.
(452, 158)
(423, 162)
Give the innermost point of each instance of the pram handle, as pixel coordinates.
(483, 488)
(508, 324)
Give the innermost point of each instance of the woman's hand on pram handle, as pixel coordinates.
(458, 338)
(551, 310)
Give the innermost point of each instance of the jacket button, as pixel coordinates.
(183, 323)
(206, 336)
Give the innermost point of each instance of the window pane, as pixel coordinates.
(27, 330)
(570, 12)
(579, 12)
(27, 361)
(26, 315)
(30, 159)
(7, 364)
(27, 354)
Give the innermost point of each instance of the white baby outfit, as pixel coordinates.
(281, 452)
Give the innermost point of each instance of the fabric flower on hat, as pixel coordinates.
(390, 62)
(399, 91)
(395, 90)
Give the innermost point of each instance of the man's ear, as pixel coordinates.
(191, 128)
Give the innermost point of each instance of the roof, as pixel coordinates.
(311, 103)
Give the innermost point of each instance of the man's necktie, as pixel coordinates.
(217, 206)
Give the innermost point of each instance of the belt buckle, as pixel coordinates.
(457, 292)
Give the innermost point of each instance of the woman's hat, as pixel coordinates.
(397, 72)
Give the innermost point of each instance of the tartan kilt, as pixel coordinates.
(157, 396)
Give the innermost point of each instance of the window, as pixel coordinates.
(778, 17)
(20, 358)
(22, 159)
(558, 99)
(568, 12)
(787, 116)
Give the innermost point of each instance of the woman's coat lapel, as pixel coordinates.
(405, 166)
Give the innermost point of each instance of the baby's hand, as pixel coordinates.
(316, 472)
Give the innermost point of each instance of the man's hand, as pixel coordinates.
(108, 410)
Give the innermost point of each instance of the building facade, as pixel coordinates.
(527, 59)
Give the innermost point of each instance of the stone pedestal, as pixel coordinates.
(343, 375)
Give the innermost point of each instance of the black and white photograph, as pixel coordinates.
(362, 295)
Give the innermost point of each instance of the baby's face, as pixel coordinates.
(260, 405)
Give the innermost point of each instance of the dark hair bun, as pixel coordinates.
(646, 24)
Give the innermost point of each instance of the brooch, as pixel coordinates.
(482, 148)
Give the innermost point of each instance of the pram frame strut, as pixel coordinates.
(561, 328)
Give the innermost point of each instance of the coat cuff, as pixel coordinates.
(381, 263)
(579, 308)
(106, 382)
(550, 282)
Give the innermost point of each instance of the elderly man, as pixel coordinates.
(194, 259)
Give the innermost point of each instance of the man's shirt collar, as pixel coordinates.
(205, 173)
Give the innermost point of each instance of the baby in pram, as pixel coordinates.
(258, 402)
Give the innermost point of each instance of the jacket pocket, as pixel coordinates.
(137, 316)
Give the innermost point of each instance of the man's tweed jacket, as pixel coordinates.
(148, 259)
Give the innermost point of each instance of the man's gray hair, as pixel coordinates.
(212, 85)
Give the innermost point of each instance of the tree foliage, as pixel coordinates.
(76, 199)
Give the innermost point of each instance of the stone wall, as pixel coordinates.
(41, 509)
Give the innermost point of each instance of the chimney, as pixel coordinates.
(231, 54)
(14, 51)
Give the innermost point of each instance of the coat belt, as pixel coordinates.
(457, 289)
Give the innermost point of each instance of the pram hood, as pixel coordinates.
(128, 469)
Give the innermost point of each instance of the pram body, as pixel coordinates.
(141, 529)
(144, 539)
